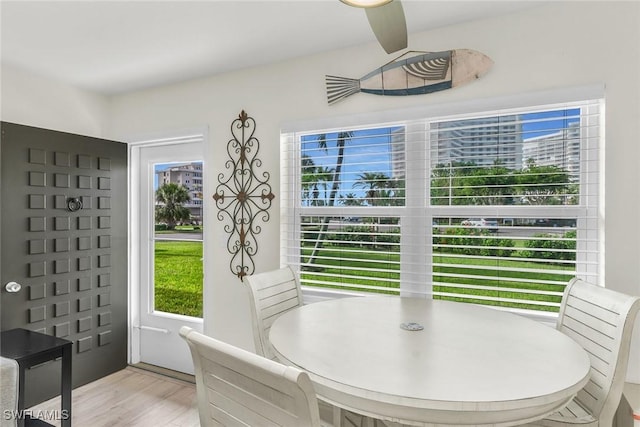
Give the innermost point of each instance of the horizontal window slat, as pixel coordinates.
(500, 299)
(497, 282)
(387, 277)
(353, 286)
(498, 259)
(315, 266)
(504, 271)
(557, 294)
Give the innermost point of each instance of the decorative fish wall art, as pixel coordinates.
(414, 73)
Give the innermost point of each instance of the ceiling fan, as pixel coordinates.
(387, 21)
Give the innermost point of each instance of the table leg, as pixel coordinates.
(66, 386)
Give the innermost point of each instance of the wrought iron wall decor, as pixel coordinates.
(244, 197)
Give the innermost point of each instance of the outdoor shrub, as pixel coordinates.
(550, 246)
(391, 239)
(161, 227)
(472, 241)
(361, 234)
(310, 233)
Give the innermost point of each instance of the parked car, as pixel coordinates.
(488, 223)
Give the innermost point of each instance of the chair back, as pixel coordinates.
(601, 321)
(272, 294)
(238, 388)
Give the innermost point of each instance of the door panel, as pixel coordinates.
(170, 261)
(64, 240)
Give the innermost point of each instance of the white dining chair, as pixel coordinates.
(271, 294)
(235, 387)
(601, 321)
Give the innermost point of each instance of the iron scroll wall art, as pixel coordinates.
(244, 197)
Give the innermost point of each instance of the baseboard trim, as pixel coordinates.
(166, 372)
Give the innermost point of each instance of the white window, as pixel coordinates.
(495, 207)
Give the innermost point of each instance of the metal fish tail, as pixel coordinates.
(339, 88)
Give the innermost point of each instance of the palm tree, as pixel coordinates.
(323, 175)
(308, 177)
(373, 183)
(376, 186)
(350, 199)
(341, 142)
(170, 209)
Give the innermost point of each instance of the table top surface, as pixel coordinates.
(465, 357)
(22, 343)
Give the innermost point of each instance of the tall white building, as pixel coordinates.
(483, 141)
(560, 149)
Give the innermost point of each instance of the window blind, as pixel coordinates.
(496, 208)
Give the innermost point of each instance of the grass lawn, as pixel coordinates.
(489, 281)
(178, 277)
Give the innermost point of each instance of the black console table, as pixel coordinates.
(29, 349)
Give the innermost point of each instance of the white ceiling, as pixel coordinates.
(113, 47)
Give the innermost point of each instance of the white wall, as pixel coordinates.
(32, 100)
(563, 45)
(557, 46)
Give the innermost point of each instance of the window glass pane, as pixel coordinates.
(178, 274)
(179, 201)
(509, 262)
(353, 168)
(351, 253)
(521, 159)
(178, 277)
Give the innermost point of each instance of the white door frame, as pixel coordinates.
(137, 247)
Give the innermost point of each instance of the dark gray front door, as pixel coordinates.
(64, 241)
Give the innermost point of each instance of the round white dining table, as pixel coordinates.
(431, 362)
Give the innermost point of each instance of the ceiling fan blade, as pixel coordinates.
(389, 25)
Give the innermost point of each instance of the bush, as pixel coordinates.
(161, 227)
(365, 234)
(310, 233)
(472, 241)
(554, 247)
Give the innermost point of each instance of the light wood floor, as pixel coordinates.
(131, 397)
